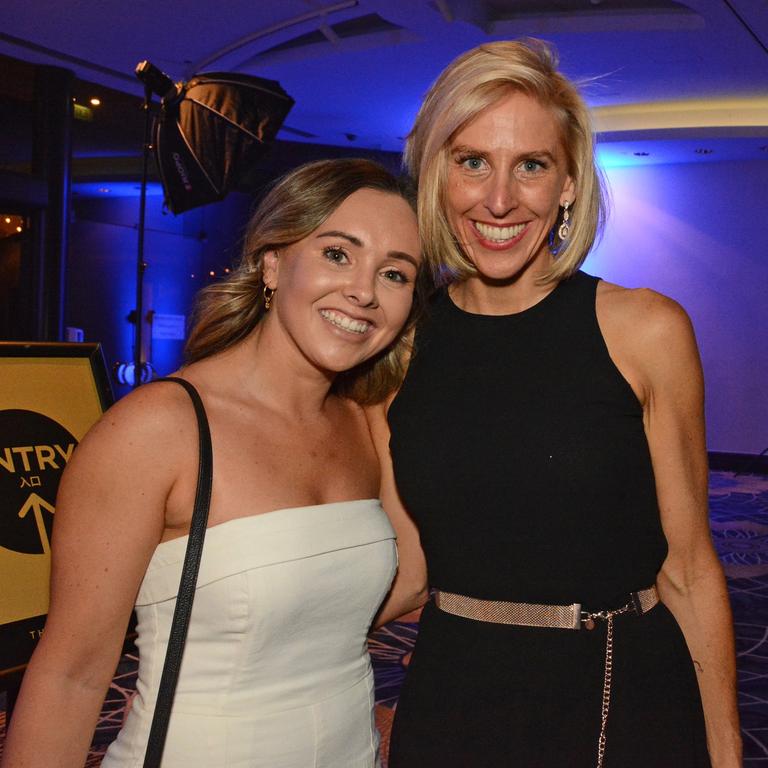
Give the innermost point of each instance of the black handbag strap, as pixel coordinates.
(187, 584)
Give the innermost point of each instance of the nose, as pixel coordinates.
(360, 288)
(502, 194)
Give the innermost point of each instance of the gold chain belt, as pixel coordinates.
(557, 617)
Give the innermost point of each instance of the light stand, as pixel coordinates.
(157, 82)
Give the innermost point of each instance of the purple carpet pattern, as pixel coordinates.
(739, 516)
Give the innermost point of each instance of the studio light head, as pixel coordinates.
(156, 80)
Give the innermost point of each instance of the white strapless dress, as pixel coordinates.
(276, 672)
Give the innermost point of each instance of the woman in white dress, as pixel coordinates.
(298, 555)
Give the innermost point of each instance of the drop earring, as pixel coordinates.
(268, 294)
(565, 228)
(562, 231)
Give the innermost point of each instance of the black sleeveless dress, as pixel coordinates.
(519, 449)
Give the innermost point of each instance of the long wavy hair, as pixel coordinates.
(298, 203)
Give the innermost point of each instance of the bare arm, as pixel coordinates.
(109, 518)
(409, 589)
(667, 375)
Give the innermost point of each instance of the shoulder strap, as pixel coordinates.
(186, 595)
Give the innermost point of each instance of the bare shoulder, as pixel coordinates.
(649, 336)
(647, 321)
(125, 468)
(650, 313)
(141, 428)
(147, 413)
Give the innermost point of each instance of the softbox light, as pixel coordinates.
(209, 134)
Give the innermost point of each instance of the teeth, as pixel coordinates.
(347, 323)
(498, 234)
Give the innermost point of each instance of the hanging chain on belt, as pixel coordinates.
(589, 623)
(555, 616)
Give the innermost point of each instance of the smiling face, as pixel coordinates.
(507, 177)
(344, 292)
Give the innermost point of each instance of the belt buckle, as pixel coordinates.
(581, 619)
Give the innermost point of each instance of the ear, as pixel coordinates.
(569, 191)
(271, 268)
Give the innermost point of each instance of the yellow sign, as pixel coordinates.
(50, 395)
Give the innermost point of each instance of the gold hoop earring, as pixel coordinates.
(268, 294)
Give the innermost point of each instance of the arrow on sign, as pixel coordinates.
(37, 504)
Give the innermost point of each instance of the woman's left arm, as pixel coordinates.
(409, 589)
(691, 582)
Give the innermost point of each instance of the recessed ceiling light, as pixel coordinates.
(104, 190)
(7, 219)
(95, 102)
(18, 229)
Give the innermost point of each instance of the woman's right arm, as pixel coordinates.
(409, 589)
(110, 513)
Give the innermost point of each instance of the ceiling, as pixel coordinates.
(682, 81)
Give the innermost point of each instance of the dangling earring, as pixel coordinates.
(562, 231)
(268, 294)
(565, 227)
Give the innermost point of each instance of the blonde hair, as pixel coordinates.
(298, 203)
(468, 85)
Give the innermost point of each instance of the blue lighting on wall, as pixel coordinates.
(103, 265)
(112, 189)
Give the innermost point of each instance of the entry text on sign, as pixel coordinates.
(23, 458)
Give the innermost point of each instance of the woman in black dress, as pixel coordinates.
(548, 442)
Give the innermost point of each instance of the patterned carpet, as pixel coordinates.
(739, 513)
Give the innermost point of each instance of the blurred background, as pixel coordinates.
(680, 98)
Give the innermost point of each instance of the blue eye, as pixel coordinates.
(335, 254)
(472, 163)
(531, 166)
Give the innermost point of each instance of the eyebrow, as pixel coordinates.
(465, 149)
(338, 233)
(399, 255)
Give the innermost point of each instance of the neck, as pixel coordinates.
(269, 368)
(485, 296)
